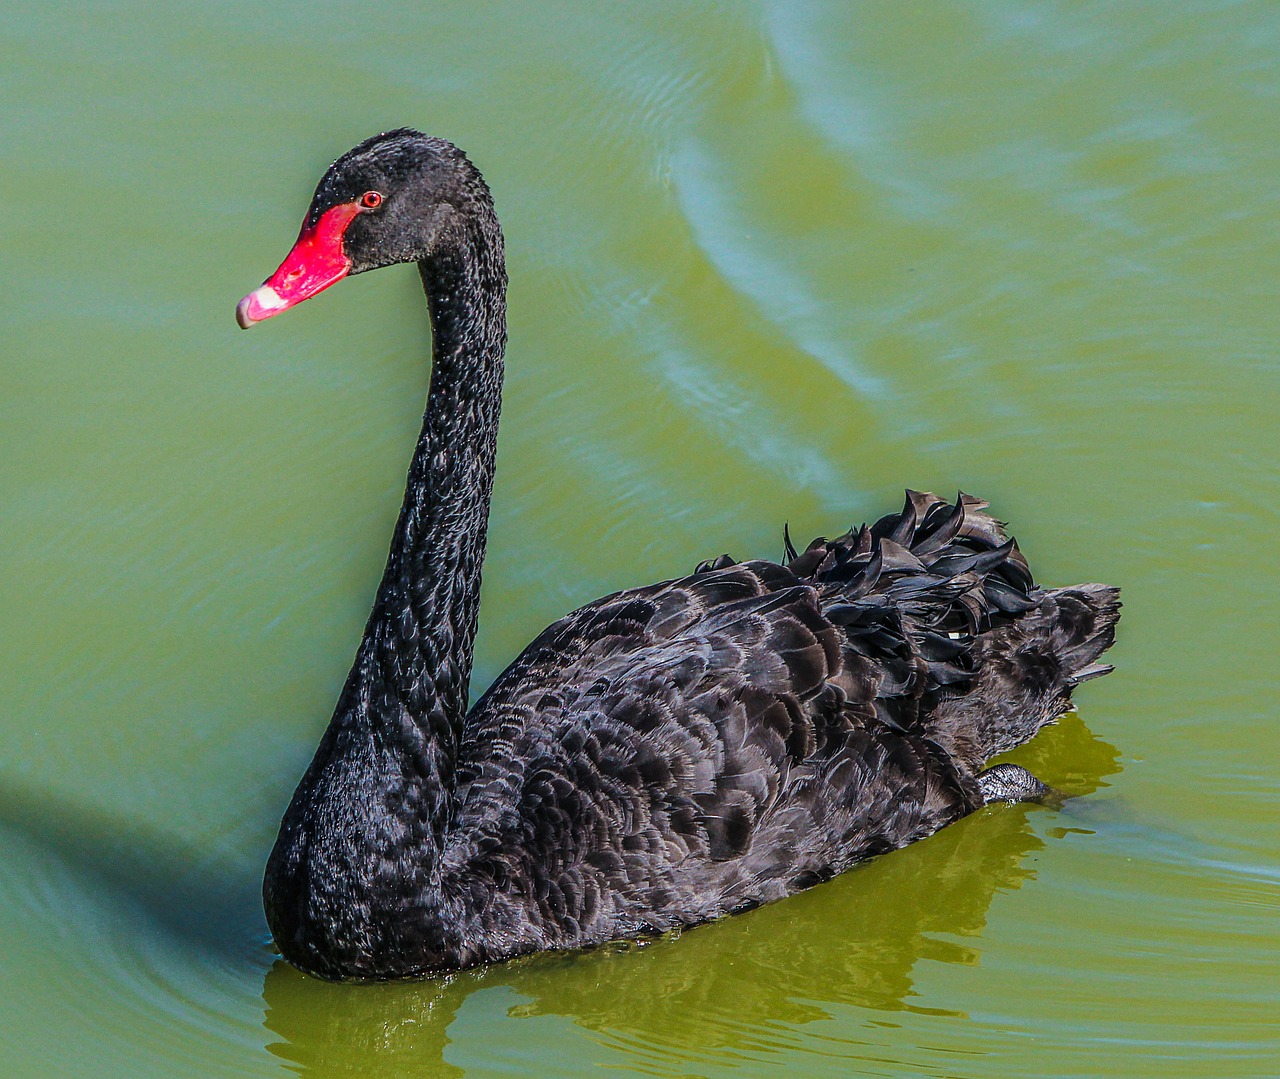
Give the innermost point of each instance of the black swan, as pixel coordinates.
(665, 755)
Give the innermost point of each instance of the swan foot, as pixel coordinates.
(1010, 783)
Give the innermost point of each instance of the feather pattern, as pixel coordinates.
(728, 738)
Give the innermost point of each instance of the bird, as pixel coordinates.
(661, 757)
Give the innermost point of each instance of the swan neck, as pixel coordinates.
(446, 511)
(418, 645)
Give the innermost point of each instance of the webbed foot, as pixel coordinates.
(1010, 783)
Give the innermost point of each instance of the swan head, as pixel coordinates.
(397, 197)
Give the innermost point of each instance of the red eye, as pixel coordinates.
(371, 200)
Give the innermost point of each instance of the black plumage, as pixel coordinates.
(665, 755)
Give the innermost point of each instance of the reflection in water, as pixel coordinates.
(211, 903)
(740, 986)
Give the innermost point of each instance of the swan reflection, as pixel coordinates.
(739, 987)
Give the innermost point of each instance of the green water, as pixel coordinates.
(769, 262)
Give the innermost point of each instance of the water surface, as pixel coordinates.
(769, 262)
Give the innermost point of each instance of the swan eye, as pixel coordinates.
(371, 200)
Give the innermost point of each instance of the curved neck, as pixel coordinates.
(411, 675)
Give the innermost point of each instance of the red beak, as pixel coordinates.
(316, 262)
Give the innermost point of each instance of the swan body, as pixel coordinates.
(660, 757)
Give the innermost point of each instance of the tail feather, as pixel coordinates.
(1094, 670)
(1086, 624)
(1026, 669)
(971, 649)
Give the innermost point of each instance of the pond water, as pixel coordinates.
(770, 262)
